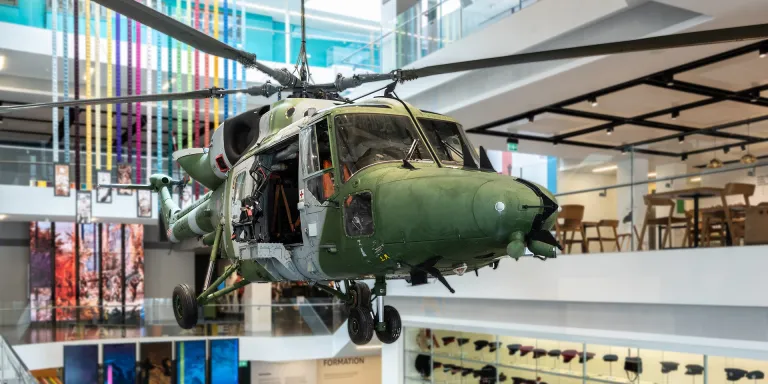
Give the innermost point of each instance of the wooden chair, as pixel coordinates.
(612, 226)
(571, 216)
(735, 214)
(652, 202)
(626, 238)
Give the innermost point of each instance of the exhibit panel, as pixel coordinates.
(447, 356)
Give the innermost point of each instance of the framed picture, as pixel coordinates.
(186, 197)
(104, 194)
(61, 185)
(83, 206)
(144, 203)
(124, 172)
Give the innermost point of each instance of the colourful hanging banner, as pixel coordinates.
(137, 122)
(118, 107)
(109, 89)
(170, 103)
(65, 73)
(148, 39)
(129, 90)
(159, 86)
(88, 115)
(190, 121)
(76, 47)
(55, 79)
(226, 62)
(243, 98)
(236, 42)
(179, 82)
(207, 76)
(216, 64)
(197, 77)
(97, 82)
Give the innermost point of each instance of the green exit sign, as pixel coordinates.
(512, 147)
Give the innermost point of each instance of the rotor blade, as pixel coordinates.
(266, 90)
(186, 34)
(646, 44)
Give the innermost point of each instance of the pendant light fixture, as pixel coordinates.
(715, 162)
(748, 158)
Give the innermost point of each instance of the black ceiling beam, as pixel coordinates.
(710, 129)
(731, 161)
(571, 142)
(724, 146)
(617, 120)
(712, 92)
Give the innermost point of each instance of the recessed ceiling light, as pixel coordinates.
(605, 169)
(2, 62)
(3, 217)
(651, 175)
(609, 131)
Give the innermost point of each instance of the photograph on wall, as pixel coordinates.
(81, 364)
(88, 262)
(124, 173)
(225, 360)
(112, 269)
(64, 270)
(144, 203)
(190, 362)
(61, 180)
(134, 268)
(83, 206)
(40, 270)
(119, 363)
(104, 194)
(186, 197)
(155, 362)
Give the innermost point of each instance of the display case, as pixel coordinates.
(442, 356)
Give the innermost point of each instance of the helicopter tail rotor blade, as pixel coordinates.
(679, 40)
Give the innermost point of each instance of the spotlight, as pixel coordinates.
(554, 143)
(681, 139)
(609, 131)
(675, 114)
(743, 147)
(683, 157)
(726, 149)
(763, 51)
(531, 118)
(754, 96)
(592, 101)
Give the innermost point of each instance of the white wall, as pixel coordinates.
(14, 261)
(597, 207)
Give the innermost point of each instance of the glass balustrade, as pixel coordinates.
(12, 369)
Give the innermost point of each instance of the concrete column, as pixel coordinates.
(630, 199)
(392, 365)
(258, 313)
(669, 170)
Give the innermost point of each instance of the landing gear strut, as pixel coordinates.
(363, 321)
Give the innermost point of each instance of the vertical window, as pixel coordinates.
(318, 164)
(238, 189)
(358, 215)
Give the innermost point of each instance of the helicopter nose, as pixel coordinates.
(497, 209)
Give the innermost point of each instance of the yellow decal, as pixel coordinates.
(384, 257)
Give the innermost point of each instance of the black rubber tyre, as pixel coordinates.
(184, 306)
(360, 326)
(363, 295)
(392, 326)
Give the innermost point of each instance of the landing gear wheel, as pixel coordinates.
(360, 325)
(185, 306)
(361, 295)
(392, 326)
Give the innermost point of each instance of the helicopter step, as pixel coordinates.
(274, 258)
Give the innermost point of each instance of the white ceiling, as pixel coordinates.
(637, 100)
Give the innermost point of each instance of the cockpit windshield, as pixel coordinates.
(364, 139)
(447, 140)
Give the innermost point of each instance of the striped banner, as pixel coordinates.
(226, 62)
(216, 64)
(109, 89)
(207, 76)
(243, 98)
(188, 49)
(197, 76)
(179, 82)
(55, 78)
(76, 33)
(97, 81)
(159, 86)
(129, 90)
(119, 107)
(170, 103)
(236, 42)
(137, 122)
(148, 45)
(88, 114)
(65, 74)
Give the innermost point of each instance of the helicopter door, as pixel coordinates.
(317, 179)
(239, 187)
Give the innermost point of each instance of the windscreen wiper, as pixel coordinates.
(411, 150)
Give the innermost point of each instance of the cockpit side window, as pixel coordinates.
(366, 138)
(358, 215)
(318, 165)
